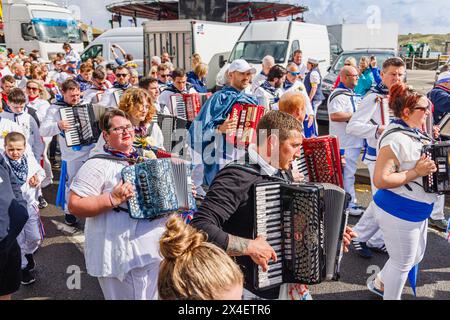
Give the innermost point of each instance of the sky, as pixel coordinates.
(425, 16)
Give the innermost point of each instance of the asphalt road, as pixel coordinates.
(61, 257)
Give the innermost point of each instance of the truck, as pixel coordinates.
(41, 25)
(280, 39)
(182, 38)
(347, 37)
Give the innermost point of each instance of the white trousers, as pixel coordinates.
(367, 227)
(197, 171)
(351, 164)
(438, 208)
(138, 284)
(405, 242)
(30, 237)
(47, 165)
(72, 168)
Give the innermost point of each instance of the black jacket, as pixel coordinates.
(228, 208)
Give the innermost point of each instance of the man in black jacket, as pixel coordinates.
(13, 216)
(227, 213)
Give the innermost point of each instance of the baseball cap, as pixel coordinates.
(241, 65)
(444, 77)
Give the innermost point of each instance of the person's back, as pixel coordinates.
(440, 96)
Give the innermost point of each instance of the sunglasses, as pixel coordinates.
(121, 75)
(164, 75)
(32, 88)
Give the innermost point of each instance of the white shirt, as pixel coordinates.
(267, 99)
(30, 129)
(366, 120)
(315, 77)
(22, 83)
(29, 193)
(5, 72)
(40, 106)
(300, 87)
(49, 128)
(115, 243)
(407, 150)
(342, 103)
(257, 81)
(303, 69)
(111, 98)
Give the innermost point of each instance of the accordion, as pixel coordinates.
(439, 181)
(162, 186)
(174, 131)
(247, 117)
(304, 224)
(187, 105)
(444, 126)
(323, 160)
(84, 129)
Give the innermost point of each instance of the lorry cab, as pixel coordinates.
(130, 39)
(279, 39)
(42, 25)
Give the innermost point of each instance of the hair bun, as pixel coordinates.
(179, 238)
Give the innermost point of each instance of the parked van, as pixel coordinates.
(279, 39)
(129, 39)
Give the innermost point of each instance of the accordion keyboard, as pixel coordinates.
(268, 224)
(72, 135)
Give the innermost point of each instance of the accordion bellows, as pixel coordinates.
(162, 186)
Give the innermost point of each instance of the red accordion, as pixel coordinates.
(247, 117)
(187, 105)
(323, 159)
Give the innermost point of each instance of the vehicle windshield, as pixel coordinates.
(381, 57)
(56, 27)
(255, 51)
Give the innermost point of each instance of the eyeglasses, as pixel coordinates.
(118, 75)
(121, 130)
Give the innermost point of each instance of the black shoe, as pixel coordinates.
(31, 263)
(42, 202)
(56, 165)
(362, 249)
(70, 219)
(27, 278)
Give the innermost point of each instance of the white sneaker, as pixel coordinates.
(355, 211)
(374, 286)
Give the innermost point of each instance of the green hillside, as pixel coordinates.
(436, 41)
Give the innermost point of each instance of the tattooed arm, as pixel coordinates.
(388, 176)
(259, 250)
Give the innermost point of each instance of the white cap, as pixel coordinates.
(313, 61)
(241, 65)
(444, 77)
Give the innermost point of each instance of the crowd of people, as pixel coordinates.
(212, 257)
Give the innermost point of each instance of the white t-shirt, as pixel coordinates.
(407, 150)
(343, 103)
(115, 243)
(315, 77)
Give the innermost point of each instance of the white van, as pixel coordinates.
(279, 39)
(130, 39)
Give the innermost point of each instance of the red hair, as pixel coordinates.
(402, 96)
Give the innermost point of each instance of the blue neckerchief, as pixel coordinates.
(121, 86)
(287, 85)
(131, 158)
(405, 125)
(19, 168)
(342, 86)
(268, 87)
(380, 89)
(16, 115)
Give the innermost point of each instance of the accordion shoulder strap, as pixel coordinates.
(340, 92)
(107, 157)
(405, 131)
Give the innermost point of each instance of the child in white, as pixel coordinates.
(29, 173)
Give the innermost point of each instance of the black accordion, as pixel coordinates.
(174, 131)
(162, 186)
(439, 181)
(84, 127)
(304, 224)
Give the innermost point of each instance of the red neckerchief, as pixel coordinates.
(5, 97)
(32, 99)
